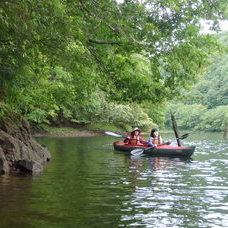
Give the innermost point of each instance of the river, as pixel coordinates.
(87, 184)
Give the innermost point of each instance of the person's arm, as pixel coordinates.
(142, 141)
(139, 140)
(127, 140)
(150, 142)
(161, 140)
(168, 142)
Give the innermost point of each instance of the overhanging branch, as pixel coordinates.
(104, 42)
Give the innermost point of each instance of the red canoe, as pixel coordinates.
(162, 150)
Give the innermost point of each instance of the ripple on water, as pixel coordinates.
(110, 189)
(181, 194)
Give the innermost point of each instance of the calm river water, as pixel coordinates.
(87, 184)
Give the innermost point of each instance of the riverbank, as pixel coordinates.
(92, 130)
(87, 130)
(67, 132)
(81, 131)
(77, 131)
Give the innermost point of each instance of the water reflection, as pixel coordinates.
(14, 197)
(87, 185)
(179, 193)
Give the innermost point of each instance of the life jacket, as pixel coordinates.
(133, 141)
(130, 140)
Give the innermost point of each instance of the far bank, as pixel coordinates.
(98, 130)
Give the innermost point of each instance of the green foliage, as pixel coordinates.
(188, 116)
(156, 112)
(214, 119)
(134, 81)
(198, 117)
(96, 61)
(205, 106)
(212, 90)
(99, 110)
(37, 116)
(4, 109)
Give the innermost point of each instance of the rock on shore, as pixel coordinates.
(19, 152)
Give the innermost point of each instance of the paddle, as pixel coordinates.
(114, 134)
(137, 152)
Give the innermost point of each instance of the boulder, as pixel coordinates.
(19, 152)
(4, 167)
(30, 166)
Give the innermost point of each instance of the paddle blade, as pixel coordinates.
(113, 134)
(184, 136)
(137, 152)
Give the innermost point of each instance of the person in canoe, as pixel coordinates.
(155, 139)
(134, 138)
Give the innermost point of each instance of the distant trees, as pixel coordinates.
(206, 106)
(198, 117)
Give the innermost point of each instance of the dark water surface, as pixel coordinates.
(87, 184)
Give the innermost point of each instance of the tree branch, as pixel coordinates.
(104, 42)
(93, 15)
(117, 29)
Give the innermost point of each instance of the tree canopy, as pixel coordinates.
(55, 55)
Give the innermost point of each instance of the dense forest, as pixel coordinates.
(90, 62)
(205, 107)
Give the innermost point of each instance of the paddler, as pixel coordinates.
(134, 138)
(155, 139)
